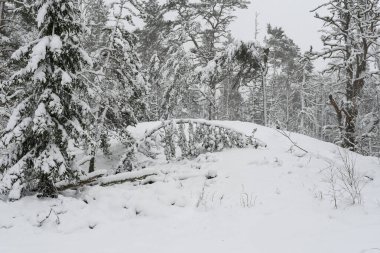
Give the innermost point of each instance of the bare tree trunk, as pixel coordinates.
(264, 84)
(210, 114)
(302, 97)
(351, 110)
(94, 144)
(99, 121)
(2, 3)
(91, 167)
(287, 105)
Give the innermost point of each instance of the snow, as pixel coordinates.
(66, 78)
(38, 54)
(50, 159)
(11, 180)
(42, 120)
(51, 43)
(16, 115)
(86, 57)
(55, 44)
(16, 135)
(42, 13)
(127, 176)
(55, 105)
(39, 75)
(239, 200)
(19, 53)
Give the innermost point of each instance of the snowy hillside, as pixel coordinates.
(273, 200)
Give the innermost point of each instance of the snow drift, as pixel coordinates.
(273, 199)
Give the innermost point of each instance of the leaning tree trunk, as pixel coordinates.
(353, 92)
(351, 112)
(264, 72)
(212, 101)
(302, 98)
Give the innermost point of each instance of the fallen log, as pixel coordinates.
(89, 179)
(126, 177)
(99, 178)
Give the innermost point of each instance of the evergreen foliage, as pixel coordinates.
(193, 137)
(49, 122)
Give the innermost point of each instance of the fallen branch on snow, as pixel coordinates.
(126, 177)
(293, 142)
(89, 179)
(99, 178)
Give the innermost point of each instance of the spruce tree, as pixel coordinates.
(47, 126)
(16, 28)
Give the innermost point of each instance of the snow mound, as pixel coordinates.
(273, 199)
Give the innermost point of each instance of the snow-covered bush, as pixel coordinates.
(345, 179)
(351, 180)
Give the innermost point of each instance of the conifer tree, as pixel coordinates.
(16, 28)
(206, 25)
(49, 123)
(116, 77)
(168, 67)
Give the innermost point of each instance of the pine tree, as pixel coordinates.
(167, 65)
(284, 61)
(206, 25)
(116, 76)
(49, 123)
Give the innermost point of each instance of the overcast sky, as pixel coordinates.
(292, 15)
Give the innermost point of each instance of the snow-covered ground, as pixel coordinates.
(266, 200)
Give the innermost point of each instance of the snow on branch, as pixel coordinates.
(127, 177)
(193, 137)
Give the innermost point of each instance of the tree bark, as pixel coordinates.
(2, 3)
(264, 84)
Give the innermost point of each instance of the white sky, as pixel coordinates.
(293, 16)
